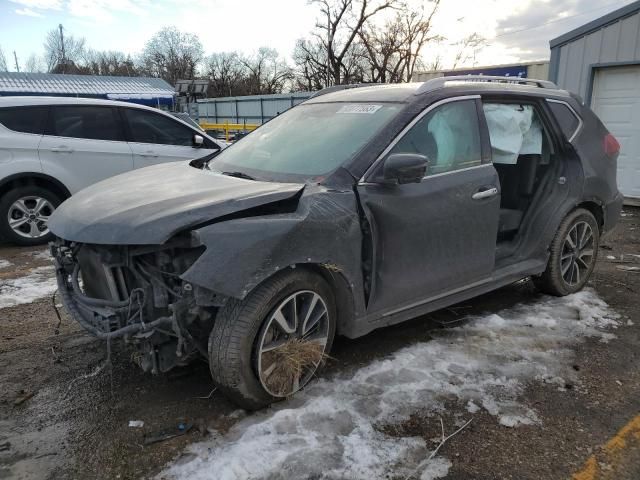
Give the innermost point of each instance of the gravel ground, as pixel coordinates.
(55, 423)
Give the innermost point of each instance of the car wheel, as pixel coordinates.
(573, 254)
(268, 346)
(24, 215)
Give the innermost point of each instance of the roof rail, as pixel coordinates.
(441, 81)
(337, 88)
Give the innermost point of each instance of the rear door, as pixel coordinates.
(438, 235)
(20, 134)
(156, 138)
(84, 144)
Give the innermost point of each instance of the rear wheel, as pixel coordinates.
(24, 215)
(573, 255)
(268, 346)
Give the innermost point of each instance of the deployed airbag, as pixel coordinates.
(514, 130)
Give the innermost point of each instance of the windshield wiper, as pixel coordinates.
(238, 175)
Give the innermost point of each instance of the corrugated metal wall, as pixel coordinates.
(249, 109)
(616, 42)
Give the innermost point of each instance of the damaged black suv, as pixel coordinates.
(359, 208)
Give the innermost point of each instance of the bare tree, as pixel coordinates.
(310, 59)
(468, 49)
(3, 61)
(338, 27)
(394, 49)
(171, 54)
(418, 25)
(34, 64)
(267, 72)
(226, 73)
(112, 63)
(62, 52)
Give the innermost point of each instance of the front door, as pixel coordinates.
(440, 234)
(157, 138)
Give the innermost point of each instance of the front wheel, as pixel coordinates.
(24, 215)
(270, 345)
(573, 254)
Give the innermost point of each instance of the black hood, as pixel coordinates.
(150, 205)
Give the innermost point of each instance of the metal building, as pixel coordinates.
(538, 70)
(250, 109)
(154, 92)
(600, 61)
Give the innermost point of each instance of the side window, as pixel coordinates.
(449, 136)
(94, 123)
(566, 118)
(514, 130)
(149, 127)
(24, 119)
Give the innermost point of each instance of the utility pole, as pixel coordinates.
(329, 46)
(63, 61)
(15, 57)
(62, 42)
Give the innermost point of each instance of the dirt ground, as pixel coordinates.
(56, 424)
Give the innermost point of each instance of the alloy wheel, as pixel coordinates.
(578, 253)
(292, 343)
(29, 216)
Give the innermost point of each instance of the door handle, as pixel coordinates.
(148, 153)
(62, 149)
(489, 192)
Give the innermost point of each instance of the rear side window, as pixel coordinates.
(95, 123)
(514, 130)
(149, 127)
(24, 119)
(566, 118)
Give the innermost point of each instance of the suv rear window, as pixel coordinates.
(24, 119)
(95, 123)
(566, 118)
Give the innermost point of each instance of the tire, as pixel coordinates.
(240, 329)
(561, 278)
(30, 196)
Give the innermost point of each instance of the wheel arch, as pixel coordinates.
(341, 289)
(596, 209)
(34, 178)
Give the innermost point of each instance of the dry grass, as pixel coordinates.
(292, 360)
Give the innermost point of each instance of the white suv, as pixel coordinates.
(51, 147)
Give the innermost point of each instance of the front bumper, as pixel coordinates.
(113, 292)
(102, 318)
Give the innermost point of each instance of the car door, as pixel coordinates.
(156, 138)
(20, 135)
(84, 144)
(438, 235)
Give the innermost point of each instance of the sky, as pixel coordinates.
(516, 30)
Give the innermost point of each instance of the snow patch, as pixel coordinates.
(5, 263)
(331, 430)
(42, 255)
(38, 283)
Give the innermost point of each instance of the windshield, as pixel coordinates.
(308, 141)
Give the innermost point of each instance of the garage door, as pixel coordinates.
(616, 100)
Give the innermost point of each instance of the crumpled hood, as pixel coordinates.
(149, 205)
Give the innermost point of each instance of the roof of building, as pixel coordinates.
(57, 84)
(596, 24)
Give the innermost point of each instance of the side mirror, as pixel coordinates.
(198, 140)
(405, 168)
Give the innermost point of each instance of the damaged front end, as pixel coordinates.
(136, 293)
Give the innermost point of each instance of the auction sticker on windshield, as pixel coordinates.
(360, 108)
